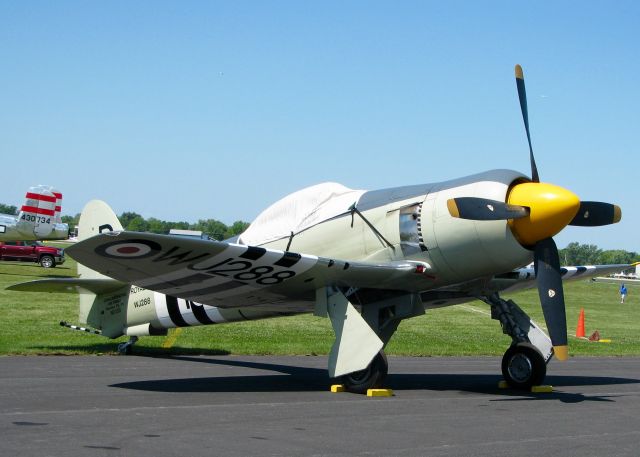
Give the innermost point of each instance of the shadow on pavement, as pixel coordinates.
(291, 378)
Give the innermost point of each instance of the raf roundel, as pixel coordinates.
(131, 249)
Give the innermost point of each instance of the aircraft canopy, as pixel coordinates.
(299, 211)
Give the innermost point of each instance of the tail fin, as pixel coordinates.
(98, 217)
(40, 217)
(37, 216)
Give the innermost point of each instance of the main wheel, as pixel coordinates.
(523, 366)
(47, 261)
(370, 378)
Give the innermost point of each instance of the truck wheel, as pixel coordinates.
(47, 261)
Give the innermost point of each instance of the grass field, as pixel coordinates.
(29, 324)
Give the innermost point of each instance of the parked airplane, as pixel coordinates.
(39, 217)
(364, 259)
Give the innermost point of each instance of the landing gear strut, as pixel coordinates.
(370, 378)
(357, 359)
(127, 348)
(524, 363)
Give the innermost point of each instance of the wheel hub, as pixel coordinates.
(520, 368)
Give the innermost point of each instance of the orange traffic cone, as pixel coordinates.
(580, 329)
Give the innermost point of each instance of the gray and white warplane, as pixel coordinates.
(39, 218)
(364, 259)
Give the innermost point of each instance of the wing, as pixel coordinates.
(229, 275)
(524, 278)
(513, 281)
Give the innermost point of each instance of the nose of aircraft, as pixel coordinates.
(551, 208)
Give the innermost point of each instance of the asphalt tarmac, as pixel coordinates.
(281, 406)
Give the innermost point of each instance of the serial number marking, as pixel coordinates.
(140, 303)
(38, 219)
(243, 270)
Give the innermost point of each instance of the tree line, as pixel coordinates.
(11, 210)
(590, 254)
(136, 223)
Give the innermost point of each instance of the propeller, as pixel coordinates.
(536, 212)
(593, 214)
(484, 209)
(522, 96)
(547, 267)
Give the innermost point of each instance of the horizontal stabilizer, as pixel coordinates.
(69, 285)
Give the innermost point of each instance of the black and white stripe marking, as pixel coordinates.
(80, 329)
(570, 272)
(236, 270)
(177, 312)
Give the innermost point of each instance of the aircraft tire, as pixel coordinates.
(371, 377)
(523, 366)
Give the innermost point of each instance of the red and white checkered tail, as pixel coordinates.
(38, 214)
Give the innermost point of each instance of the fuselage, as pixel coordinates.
(413, 222)
(28, 227)
(410, 222)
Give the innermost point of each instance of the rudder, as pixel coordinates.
(37, 215)
(98, 217)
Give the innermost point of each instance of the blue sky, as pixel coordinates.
(188, 110)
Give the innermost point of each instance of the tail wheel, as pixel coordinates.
(523, 366)
(47, 261)
(371, 377)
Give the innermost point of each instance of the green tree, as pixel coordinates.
(618, 256)
(579, 254)
(8, 209)
(589, 254)
(178, 225)
(72, 221)
(138, 224)
(212, 227)
(236, 229)
(127, 217)
(156, 226)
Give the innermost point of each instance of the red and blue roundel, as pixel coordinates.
(131, 249)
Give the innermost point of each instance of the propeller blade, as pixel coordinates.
(522, 95)
(483, 209)
(592, 214)
(549, 279)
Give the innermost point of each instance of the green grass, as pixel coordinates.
(29, 324)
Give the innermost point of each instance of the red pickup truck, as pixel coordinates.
(32, 251)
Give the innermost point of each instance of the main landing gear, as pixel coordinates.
(524, 364)
(371, 377)
(357, 359)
